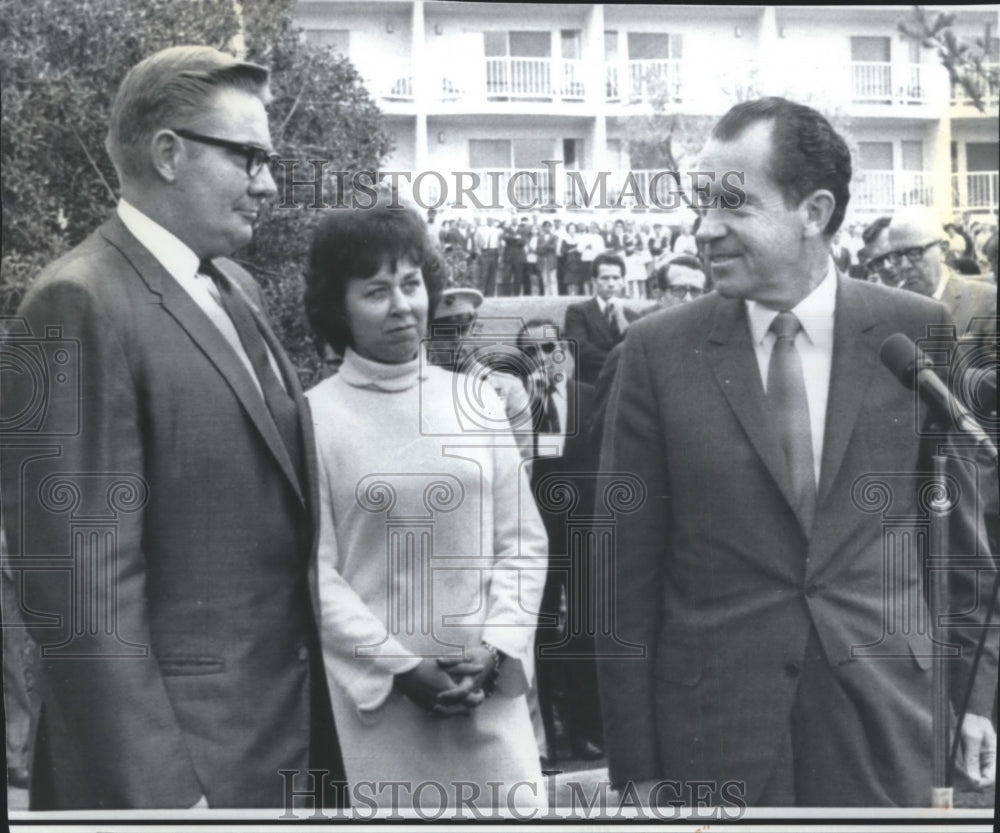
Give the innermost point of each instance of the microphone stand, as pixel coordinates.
(942, 793)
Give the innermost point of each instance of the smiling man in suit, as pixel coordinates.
(597, 325)
(180, 659)
(754, 576)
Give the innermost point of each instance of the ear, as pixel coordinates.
(166, 152)
(816, 209)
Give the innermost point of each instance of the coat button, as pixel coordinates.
(792, 669)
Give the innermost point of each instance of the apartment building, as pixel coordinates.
(554, 90)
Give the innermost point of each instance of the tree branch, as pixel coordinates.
(93, 164)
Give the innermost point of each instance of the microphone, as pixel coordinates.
(913, 368)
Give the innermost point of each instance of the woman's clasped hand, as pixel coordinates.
(449, 686)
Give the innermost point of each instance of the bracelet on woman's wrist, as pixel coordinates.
(490, 683)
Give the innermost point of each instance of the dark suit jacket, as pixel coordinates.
(719, 583)
(578, 463)
(589, 330)
(156, 449)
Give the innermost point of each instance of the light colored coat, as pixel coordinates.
(430, 542)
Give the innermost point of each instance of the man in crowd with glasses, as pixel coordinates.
(680, 280)
(565, 463)
(918, 246)
(874, 255)
(171, 480)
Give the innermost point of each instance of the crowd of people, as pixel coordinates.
(551, 255)
(383, 591)
(539, 254)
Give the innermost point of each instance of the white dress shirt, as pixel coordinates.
(814, 344)
(182, 264)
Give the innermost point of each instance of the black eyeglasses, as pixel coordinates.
(680, 292)
(256, 157)
(881, 268)
(913, 254)
(547, 348)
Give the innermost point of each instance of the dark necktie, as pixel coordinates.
(786, 396)
(609, 312)
(550, 420)
(280, 405)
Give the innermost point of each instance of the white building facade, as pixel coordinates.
(553, 90)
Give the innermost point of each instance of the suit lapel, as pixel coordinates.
(854, 361)
(289, 377)
(179, 305)
(730, 353)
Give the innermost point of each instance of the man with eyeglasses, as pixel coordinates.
(565, 460)
(918, 246)
(874, 255)
(180, 652)
(681, 279)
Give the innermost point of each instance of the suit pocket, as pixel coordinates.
(680, 664)
(190, 666)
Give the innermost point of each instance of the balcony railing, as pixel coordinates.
(394, 81)
(991, 92)
(643, 81)
(534, 78)
(975, 190)
(881, 82)
(888, 190)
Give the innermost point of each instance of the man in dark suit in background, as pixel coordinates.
(754, 575)
(918, 247)
(678, 281)
(169, 480)
(565, 464)
(597, 325)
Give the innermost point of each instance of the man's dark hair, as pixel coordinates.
(967, 266)
(607, 257)
(662, 272)
(806, 152)
(874, 229)
(356, 243)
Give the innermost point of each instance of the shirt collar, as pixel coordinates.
(815, 312)
(175, 256)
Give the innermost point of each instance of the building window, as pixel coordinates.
(875, 156)
(489, 154)
(654, 65)
(871, 71)
(518, 65)
(982, 156)
(913, 155)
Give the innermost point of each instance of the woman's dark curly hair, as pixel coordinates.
(355, 243)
